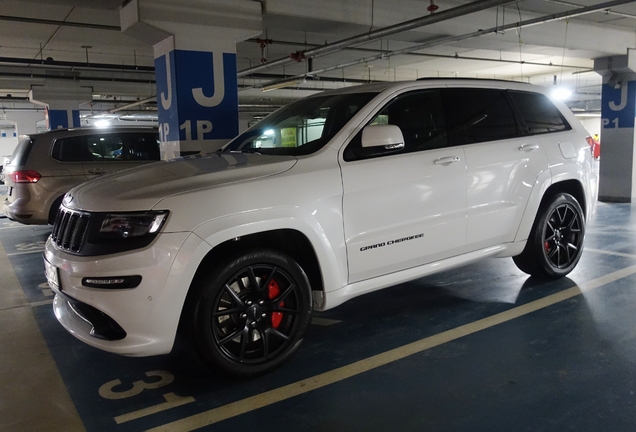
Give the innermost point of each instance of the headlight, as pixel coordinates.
(128, 225)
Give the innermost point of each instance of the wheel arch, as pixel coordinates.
(288, 241)
(543, 197)
(572, 187)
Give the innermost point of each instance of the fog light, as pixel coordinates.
(114, 282)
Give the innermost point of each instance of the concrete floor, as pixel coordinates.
(481, 348)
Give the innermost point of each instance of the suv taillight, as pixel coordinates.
(28, 176)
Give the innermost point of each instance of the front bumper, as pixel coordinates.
(147, 315)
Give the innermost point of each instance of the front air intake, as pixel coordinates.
(69, 230)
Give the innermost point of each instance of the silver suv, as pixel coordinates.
(45, 166)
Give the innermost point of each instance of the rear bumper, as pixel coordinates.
(21, 210)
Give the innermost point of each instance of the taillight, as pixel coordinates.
(28, 176)
(592, 142)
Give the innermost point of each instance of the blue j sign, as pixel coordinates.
(197, 95)
(618, 105)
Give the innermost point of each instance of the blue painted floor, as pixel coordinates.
(568, 365)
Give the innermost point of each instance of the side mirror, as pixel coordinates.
(388, 136)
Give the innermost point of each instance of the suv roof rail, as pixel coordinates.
(469, 79)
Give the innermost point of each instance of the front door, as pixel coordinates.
(407, 209)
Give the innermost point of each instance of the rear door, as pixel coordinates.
(404, 209)
(502, 162)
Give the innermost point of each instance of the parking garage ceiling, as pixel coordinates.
(544, 42)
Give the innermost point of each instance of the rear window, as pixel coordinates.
(21, 152)
(107, 147)
(539, 113)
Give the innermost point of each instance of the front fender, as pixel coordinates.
(328, 242)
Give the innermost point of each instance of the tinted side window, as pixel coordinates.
(419, 115)
(107, 147)
(539, 113)
(477, 115)
(137, 147)
(104, 147)
(71, 149)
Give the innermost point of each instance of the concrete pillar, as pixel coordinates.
(25, 120)
(618, 139)
(61, 99)
(195, 66)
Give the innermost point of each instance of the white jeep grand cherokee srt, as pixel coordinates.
(333, 196)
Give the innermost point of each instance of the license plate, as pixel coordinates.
(52, 275)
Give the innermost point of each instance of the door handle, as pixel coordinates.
(447, 160)
(97, 171)
(529, 147)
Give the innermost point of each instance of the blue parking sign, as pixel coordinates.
(197, 95)
(618, 105)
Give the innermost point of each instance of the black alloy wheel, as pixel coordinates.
(563, 236)
(555, 244)
(253, 313)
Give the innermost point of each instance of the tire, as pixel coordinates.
(251, 314)
(555, 243)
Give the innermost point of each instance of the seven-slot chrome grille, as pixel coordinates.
(69, 230)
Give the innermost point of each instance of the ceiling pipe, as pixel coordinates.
(441, 41)
(77, 65)
(31, 75)
(380, 33)
(134, 104)
(521, 24)
(416, 54)
(59, 23)
(607, 12)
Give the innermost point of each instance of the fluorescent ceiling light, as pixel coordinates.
(561, 93)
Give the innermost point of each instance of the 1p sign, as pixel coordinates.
(618, 105)
(198, 97)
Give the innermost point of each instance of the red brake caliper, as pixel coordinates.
(273, 291)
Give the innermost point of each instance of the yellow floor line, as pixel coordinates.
(268, 398)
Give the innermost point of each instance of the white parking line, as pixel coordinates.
(13, 227)
(620, 254)
(26, 253)
(41, 303)
(243, 406)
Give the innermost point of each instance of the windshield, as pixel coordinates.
(302, 127)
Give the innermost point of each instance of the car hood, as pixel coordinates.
(143, 187)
